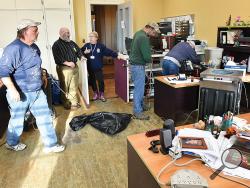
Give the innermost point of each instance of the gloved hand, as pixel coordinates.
(87, 51)
(14, 94)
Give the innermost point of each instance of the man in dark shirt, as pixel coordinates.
(21, 73)
(177, 55)
(65, 53)
(139, 56)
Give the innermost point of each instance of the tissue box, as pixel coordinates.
(242, 68)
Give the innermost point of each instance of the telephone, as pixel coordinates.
(188, 179)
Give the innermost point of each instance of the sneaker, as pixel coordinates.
(96, 96)
(55, 149)
(19, 147)
(102, 98)
(141, 116)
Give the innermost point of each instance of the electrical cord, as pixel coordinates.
(245, 89)
(187, 163)
(162, 170)
(58, 86)
(176, 164)
(185, 122)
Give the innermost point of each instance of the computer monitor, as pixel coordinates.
(156, 43)
(128, 42)
(165, 27)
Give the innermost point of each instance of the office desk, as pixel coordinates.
(144, 165)
(171, 100)
(246, 78)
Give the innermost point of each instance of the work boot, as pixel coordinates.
(102, 98)
(141, 116)
(96, 96)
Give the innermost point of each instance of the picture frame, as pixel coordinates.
(193, 143)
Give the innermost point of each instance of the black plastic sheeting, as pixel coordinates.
(106, 122)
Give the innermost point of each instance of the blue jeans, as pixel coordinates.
(168, 67)
(138, 78)
(36, 102)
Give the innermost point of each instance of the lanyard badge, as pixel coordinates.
(92, 51)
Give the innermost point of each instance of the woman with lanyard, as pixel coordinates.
(94, 52)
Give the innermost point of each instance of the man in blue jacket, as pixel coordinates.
(178, 54)
(21, 74)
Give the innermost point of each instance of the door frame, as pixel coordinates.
(88, 4)
(122, 33)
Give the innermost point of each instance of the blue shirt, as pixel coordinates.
(98, 51)
(183, 51)
(22, 63)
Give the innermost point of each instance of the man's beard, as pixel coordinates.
(66, 38)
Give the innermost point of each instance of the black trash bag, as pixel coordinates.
(107, 122)
(79, 122)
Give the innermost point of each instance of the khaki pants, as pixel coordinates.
(68, 78)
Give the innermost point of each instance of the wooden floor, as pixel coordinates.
(109, 81)
(91, 159)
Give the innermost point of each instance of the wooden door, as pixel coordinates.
(121, 79)
(105, 24)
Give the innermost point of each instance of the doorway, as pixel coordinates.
(121, 26)
(104, 22)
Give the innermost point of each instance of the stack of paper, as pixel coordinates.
(212, 155)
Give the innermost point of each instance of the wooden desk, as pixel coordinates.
(143, 165)
(171, 100)
(246, 78)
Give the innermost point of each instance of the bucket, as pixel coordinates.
(213, 56)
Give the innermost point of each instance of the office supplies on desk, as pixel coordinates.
(227, 120)
(182, 77)
(175, 80)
